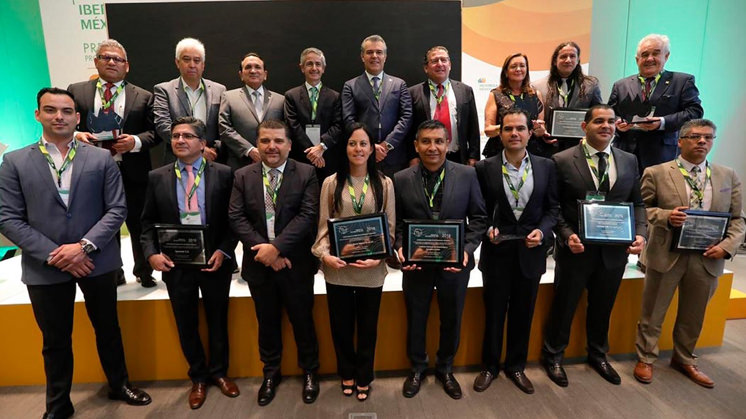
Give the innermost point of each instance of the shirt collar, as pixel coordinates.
(48, 144)
(117, 84)
(689, 165)
(308, 86)
(428, 173)
(446, 83)
(187, 87)
(260, 90)
(370, 76)
(196, 165)
(281, 168)
(593, 151)
(524, 160)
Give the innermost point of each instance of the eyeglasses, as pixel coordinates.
(707, 137)
(185, 135)
(106, 58)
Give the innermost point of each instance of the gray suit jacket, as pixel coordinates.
(238, 121)
(171, 102)
(591, 96)
(35, 218)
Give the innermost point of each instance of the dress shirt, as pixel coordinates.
(181, 193)
(266, 169)
(515, 174)
(611, 167)
(197, 100)
(118, 107)
(453, 146)
(707, 200)
(63, 188)
(429, 179)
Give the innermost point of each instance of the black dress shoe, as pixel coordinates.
(267, 390)
(130, 395)
(450, 385)
(412, 384)
(556, 373)
(483, 380)
(63, 414)
(521, 381)
(605, 370)
(310, 387)
(120, 278)
(146, 281)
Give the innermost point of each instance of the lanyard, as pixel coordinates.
(197, 179)
(201, 90)
(510, 95)
(513, 189)
(107, 104)
(430, 197)
(566, 98)
(357, 206)
(700, 194)
(653, 85)
(269, 187)
(594, 169)
(435, 93)
(65, 164)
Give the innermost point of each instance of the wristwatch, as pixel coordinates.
(86, 247)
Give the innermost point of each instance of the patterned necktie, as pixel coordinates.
(376, 87)
(603, 186)
(191, 205)
(314, 101)
(258, 104)
(107, 96)
(442, 111)
(269, 205)
(694, 201)
(648, 87)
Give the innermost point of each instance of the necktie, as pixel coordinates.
(269, 205)
(442, 113)
(564, 89)
(107, 96)
(603, 178)
(191, 205)
(648, 87)
(694, 201)
(258, 104)
(314, 101)
(376, 87)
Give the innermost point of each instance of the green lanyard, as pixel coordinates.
(269, 187)
(510, 95)
(513, 190)
(65, 164)
(430, 197)
(357, 206)
(314, 100)
(566, 98)
(435, 93)
(654, 84)
(197, 179)
(200, 89)
(700, 194)
(104, 103)
(594, 169)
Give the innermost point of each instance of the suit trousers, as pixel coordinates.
(53, 307)
(352, 308)
(511, 293)
(573, 274)
(418, 293)
(184, 286)
(696, 287)
(277, 290)
(135, 194)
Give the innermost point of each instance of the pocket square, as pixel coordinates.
(725, 190)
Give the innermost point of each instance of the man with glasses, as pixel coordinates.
(118, 116)
(668, 190)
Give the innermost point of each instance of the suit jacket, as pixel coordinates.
(462, 200)
(541, 212)
(664, 188)
(137, 120)
(161, 207)
(467, 119)
(238, 122)
(676, 100)
(574, 180)
(296, 218)
(591, 97)
(328, 116)
(171, 102)
(34, 217)
(392, 112)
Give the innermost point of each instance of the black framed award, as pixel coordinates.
(566, 123)
(602, 222)
(701, 230)
(360, 237)
(434, 243)
(184, 244)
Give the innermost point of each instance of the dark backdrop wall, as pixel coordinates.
(278, 31)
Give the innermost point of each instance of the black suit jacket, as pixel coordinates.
(328, 116)
(467, 120)
(161, 208)
(541, 212)
(137, 120)
(296, 219)
(574, 180)
(462, 200)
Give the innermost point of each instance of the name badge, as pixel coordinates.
(595, 196)
(192, 218)
(313, 131)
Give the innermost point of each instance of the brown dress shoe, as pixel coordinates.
(643, 372)
(693, 373)
(198, 395)
(227, 386)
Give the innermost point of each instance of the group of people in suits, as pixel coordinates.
(63, 199)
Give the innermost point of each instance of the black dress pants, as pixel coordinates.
(135, 194)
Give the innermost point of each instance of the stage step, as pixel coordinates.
(736, 305)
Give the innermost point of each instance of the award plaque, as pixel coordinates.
(700, 230)
(360, 237)
(434, 242)
(184, 244)
(566, 123)
(603, 222)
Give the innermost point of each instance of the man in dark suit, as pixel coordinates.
(436, 189)
(586, 173)
(111, 107)
(382, 103)
(188, 95)
(274, 211)
(62, 203)
(520, 191)
(667, 99)
(243, 109)
(449, 101)
(314, 114)
(197, 194)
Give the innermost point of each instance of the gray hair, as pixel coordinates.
(662, 39)
(696, 123)
(111, 43)
(312, 50)
(373, 38)
(190, 43)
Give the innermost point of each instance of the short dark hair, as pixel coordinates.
(274, 124)
(589, 112)
(197, 125)
(696, 123)
(516, 111)
(251, 54)
(431, 124)
(54, 91)
(435, 48)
